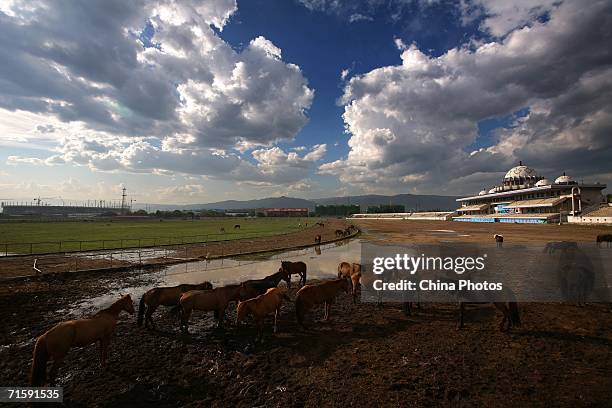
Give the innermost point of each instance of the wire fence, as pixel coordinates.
(8, 249)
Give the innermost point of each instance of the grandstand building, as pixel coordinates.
(526, 197)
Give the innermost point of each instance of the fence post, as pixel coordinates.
(80, 245)
(60, 246)
(111, 259)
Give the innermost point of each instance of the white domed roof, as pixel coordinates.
(483, 192)
(543, 182)
(563, 179)
(520, 171)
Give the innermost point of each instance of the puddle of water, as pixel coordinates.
(322, 263)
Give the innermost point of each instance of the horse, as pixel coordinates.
(604, 238)
(57, 341)
(345, 270)
(315, 294)
(339, 233)
(211, 300)
(294, 268)
(166, 296)
(511, 316)
(317, 239)
(320, 224)
(261, 306)
(260, 286)
(237, 226)
(499, 239)
(222, 230)
(351, 272)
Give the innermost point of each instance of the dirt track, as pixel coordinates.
(365, 356)
(402, 231)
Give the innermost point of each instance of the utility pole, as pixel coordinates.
(123, 203)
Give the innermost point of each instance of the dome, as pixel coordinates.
(520, 171)
(563, 179)
(483, 192)
(543, 182)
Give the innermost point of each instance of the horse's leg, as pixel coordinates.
(185, 315)
(57, 363)
(275, 318)
(149, 316)
(461, 310)
(104, 343)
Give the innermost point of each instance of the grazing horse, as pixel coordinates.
(604, 238)
(56, 342)
(237, 226)
(509, 309)
(320, 224)
(310, 295)
(317, 239)
(222, 230)
(499, 239)
(212, 300)
(256, 287)
(511, 315)
(294, 268)
(261, 306)
(168, 296)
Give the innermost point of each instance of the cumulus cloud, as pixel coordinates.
(412, 125)
(180, 100)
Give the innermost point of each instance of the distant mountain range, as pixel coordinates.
(412, 202)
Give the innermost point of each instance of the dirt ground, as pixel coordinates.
(365, 356)
(404, 231)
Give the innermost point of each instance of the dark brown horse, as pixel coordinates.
(56, 342)
(257, 287)
(317, 239)
(165, 296)
(604, 238)
(294, 268)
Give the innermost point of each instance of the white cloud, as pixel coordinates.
(413, 124)
(94, 96)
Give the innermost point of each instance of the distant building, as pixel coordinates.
(285, 212)
(16, 210)
(526, 197)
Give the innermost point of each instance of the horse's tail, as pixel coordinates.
(38, 376)
(141, 310)
(515, 316)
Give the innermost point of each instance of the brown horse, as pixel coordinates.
(294, 268)
(56, 342)
(261, 306)
(317, 239)
(213, 300)
(167, 296)
(255, 287)
(315, 294)
(351, 272)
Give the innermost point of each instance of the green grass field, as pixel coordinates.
(91, 235)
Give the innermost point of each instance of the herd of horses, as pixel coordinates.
(257, 298)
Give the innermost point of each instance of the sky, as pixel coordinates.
(201, 101)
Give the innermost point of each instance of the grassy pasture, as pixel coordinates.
(92, 235)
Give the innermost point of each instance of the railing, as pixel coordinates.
(60, 247)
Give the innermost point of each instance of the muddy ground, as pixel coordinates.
(365, 356)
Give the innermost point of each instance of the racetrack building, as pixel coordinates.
(526, 197)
